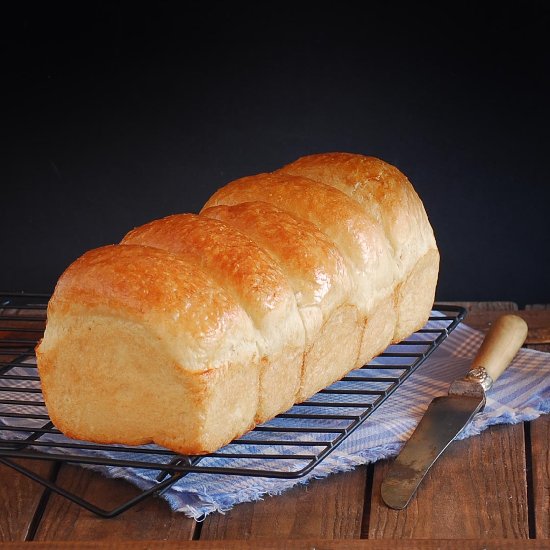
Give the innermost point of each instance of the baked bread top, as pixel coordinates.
(383, 191)
(251, 275)
(195, 318)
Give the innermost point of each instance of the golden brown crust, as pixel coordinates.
(235, 262)
(140, 281)
(359, 238)
(382, 190)
(219, 248)
(310, 260)
(386, 195)
(175, 298)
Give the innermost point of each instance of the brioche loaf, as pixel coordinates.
(195, 328)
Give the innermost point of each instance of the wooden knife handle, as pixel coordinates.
(501, 344)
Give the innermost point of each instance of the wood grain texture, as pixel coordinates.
(309, 544)
(13, 324)
(63, 520)
(537, 319)
(540, 445)
(540, 462)
(486, 306)
(20, 497)
(477, 489)
(328, 508)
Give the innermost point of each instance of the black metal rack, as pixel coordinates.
(289, 446)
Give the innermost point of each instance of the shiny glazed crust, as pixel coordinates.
(198, 327)
(387, 196)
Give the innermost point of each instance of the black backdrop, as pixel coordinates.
(116, 114)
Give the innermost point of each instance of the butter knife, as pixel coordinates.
(448, 415)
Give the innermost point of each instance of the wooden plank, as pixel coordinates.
(13, 325)
(540, 457)
(309, 544)
(20, 498)
(538, 321)
(540, 464)
(329, 508)
(486, 306)
(63, 520)
(476, 489)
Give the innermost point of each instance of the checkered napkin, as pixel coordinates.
(522, 393)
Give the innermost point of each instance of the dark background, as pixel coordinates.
(116, 114)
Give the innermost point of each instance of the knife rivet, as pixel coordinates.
(480, 375)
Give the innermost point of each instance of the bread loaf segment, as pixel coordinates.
(387, 196)
(311, 262)
(142, 346)
(258, 284)
(316, 271)
(197, 327)
(360, 240)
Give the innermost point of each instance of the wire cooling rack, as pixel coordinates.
(289, 446)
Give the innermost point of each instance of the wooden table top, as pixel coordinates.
(488, 491)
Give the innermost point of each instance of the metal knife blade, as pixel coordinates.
(448, 415)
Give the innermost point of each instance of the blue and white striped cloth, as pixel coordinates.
(521, 394)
